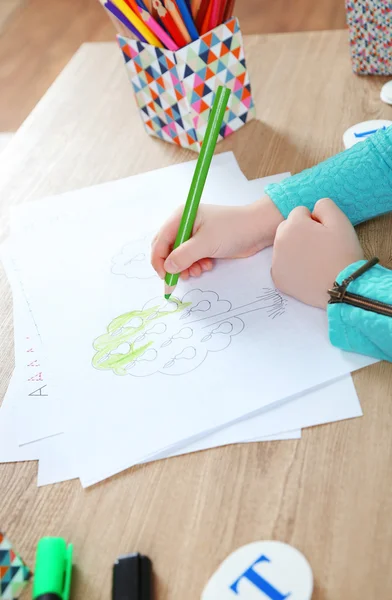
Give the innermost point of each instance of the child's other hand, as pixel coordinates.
(219, 232)
(310, 250)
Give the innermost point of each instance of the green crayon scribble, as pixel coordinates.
(106, 359)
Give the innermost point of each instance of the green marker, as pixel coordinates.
(53, 568)
(199, 178)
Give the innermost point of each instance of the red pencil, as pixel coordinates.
(175, 14)
(228, 10)
(214, 14)
(201, 15)
(222, 11)
(169, 24)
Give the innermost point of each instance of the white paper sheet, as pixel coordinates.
(336, 401)
(33, 217)
(28, 396)
(29, 219)
(70, 210)
(54, 466)
(269, 344)
(10, 451)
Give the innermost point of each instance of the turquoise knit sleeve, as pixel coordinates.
(358, 180)
(358, 330)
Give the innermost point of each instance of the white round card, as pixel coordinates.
(386, 93)
(262, 571)
(359, 133)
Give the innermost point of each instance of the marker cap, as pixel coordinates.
(132, 578)
(53, 568)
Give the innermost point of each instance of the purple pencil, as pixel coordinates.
(122, 18)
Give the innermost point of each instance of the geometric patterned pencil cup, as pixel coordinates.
(370, 25)
(175, 90)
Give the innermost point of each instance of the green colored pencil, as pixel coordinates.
(199, 178)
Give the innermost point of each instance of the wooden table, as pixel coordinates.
(328, 494)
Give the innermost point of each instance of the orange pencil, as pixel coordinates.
(175, 15)
(133, 5)
(195, 5)
(206, 23)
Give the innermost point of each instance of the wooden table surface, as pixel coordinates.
(328, 494)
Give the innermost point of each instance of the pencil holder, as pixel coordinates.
(175, 90)
(370, 25)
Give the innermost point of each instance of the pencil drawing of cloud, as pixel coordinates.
(134, 260)
(169, 337)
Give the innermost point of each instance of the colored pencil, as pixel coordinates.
(153, 11)
(201, 15)
(175, 15)
(206, 23)
(164, 15)
(158, 30)
(222, 11)
(195, 5)
(137, 23)
(110, 7)
(199, 178)
(133, 5)
(228, 10)
(214, 14)
(187, 18)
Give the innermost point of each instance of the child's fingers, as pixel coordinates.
(206, 264)
(195, 270)
(163, 243)
(300, 213)
(157, 264)
(329, 214)
(202, 265)
(186, 255)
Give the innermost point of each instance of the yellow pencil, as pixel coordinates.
(175, 15)
(138, 23)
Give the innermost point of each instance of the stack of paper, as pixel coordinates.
(109, 374)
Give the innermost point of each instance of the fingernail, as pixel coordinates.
(171, 267)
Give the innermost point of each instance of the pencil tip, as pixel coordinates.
(169, 289)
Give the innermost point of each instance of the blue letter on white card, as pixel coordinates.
(259, 582)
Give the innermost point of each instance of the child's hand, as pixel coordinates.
(310, 250)
(219, 232)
